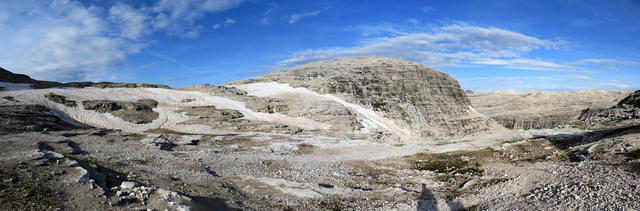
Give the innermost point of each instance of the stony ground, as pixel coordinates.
(106, 169)
(350, 142)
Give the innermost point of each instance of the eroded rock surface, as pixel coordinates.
(24, 118)
(139, 112)
(536, 110)
(60, 99)
(429, 102)
(229, 119)
(626, 112)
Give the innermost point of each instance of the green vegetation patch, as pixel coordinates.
(19, 191)
(447, 163)
(513, 141)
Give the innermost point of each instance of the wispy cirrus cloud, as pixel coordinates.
(297, 16)
(603, 61)
(227, 22)
(542, 83)
(532, 64)
(178, 17)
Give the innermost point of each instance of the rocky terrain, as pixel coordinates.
(424, 101)
(324, 136)
(624, 113)
(538, 110)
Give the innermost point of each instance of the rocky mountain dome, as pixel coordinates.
(428, 102)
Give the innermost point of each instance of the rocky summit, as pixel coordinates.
(364, 133)
(425, 101)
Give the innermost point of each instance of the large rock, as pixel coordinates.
(139, 112)
(60, 99)
(631, 101)
(625, 113)
(25, 118)
(428, 102)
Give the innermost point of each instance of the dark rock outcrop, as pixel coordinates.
(60, 99)
(211, 113)
(6, 76)
(139, 112)
(228, 119)
(626, 112)
(27, 118)
(631, 101)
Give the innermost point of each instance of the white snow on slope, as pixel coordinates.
(168, 101)
(277, 90)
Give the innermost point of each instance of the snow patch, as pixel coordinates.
(168, 102)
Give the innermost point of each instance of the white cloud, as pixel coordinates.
(229, 21)
(60, 41)
(297, 16)
(446, 45)
(178, 17)
(265, 20)
(427, 9)
(531, 64)
(605, 62)
(66, 40)
(541, 83)
(131, 22)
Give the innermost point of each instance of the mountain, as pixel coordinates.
(9, 77)
(349, 134)
(538, 110)
(422, 101)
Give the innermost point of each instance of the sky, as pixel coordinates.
(486, 45)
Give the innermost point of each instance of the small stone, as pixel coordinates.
(128, 185)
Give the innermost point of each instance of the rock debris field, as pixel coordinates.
(365, 133)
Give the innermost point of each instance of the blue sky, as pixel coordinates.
(486, 45)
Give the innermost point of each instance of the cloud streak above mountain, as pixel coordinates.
(446, 45)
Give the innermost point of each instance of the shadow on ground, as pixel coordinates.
(428, 202)
(565, 141)
(204, 203)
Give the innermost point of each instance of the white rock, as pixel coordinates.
(128, 185)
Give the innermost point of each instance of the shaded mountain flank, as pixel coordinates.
(7, 76)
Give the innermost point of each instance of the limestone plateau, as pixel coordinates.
(364, 133)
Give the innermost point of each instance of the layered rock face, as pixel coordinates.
(626, 112)
(428, 102)
(537, 110)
